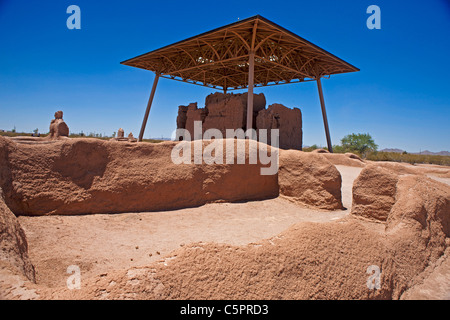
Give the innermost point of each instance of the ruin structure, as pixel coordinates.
(229, 111)
(121, 136)
(58, 128)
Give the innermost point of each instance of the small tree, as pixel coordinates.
(361, 143)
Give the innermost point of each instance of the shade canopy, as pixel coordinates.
(219, 58)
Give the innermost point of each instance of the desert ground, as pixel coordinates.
(212, 234)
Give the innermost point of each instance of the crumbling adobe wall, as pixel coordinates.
(229, 111)
(85, 176)
(415, 210)
(193, 114)
(58, 128)
(13, 243)
(288, 121)
(328, 260)
(309, 179)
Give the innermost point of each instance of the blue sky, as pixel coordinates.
(401, 96)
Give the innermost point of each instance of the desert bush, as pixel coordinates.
(409, 158)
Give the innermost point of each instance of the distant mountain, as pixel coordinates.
(425, 152)
(440, 153)
(392, 150)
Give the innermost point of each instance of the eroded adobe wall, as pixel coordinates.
(84, 176)
(13, 243)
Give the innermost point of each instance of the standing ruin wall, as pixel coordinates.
(229, 111)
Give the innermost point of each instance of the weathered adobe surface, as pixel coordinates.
(84, 176)
(229, 111)
(312, 173)
(415, 210)
(309, 260)
(58, 128)
(347, 159)
(14, 259)
(13, 243)
(288, 121)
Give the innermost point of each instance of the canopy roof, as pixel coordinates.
(220, 58)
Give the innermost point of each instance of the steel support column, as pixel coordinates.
(149, 105)
(251, 74)
(324, 115)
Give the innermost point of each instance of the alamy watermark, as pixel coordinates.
(73, 281)
(374, 20)
(74, 20)
(374, 280)
(214, 153)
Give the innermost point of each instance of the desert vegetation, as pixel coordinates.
(409, 158)
(364, 146)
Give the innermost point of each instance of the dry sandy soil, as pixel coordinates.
(258, 244)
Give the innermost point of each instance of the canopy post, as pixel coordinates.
(324, 115)
(149, 105)
(251, 78)
(251, 74)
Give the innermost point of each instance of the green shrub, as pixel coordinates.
(360, 143)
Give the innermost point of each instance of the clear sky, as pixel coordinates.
(401, 96)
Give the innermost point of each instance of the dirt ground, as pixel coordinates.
(103, 242)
